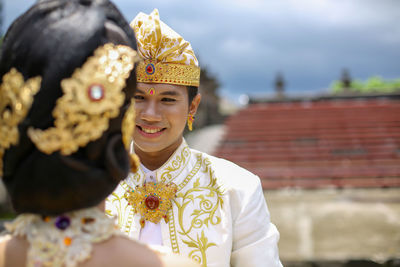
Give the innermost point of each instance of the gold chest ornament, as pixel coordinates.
(152, 201)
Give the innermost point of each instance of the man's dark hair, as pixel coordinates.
(192, 92)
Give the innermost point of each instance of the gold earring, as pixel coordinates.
(190, 121)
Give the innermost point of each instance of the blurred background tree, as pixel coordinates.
(208, 111)
(374, 84)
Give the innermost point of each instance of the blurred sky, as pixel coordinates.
(246, 42)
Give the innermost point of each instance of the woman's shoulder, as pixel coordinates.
(3, 245)
(122, 251)
(116, 251)
(12, 251)
(172, 260)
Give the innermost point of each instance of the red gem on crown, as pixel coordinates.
(150, 69)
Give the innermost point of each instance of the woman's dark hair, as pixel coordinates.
(51, 40)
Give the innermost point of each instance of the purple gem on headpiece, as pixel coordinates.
(62, 222)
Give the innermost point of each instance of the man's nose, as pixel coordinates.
(151, 112)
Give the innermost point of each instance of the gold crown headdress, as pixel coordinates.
(92, 96)
(168, 58)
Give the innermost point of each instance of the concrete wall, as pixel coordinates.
(337, 225)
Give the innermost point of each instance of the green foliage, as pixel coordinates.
(374, 84)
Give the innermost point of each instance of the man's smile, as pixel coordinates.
(150, 131)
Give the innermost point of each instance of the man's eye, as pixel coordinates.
(167, 99)
(138, 97)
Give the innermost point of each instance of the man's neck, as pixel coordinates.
(154, 160)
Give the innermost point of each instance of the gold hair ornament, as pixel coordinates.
(92, 96)
(127, 129)
(16, 97)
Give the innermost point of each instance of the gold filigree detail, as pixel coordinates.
(127, 129)
(208, 200)
(152, 201)
(16, 97)
(177, 163)
(149, 71)
(172, 232)
(201, 245)
(92, 96)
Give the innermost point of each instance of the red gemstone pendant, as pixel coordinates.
(152, 202)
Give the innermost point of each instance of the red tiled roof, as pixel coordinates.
(324, 143)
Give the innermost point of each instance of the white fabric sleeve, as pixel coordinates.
(255, 238)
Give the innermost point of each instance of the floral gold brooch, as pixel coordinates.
(152, 201)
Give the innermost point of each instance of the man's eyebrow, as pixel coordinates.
(164, 93)
(173, 93)
(139, 91)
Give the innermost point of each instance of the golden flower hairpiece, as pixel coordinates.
(16, 97)
(92, 96)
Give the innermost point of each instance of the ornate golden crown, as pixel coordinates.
(150, 72)
(168, 58)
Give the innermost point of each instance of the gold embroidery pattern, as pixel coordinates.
(191, 174)
(92, 96)
(129, 219)
(172, 232)
(16, 97)
(137, 178)
(208, 199)
(177, 164)
(172, 223)
(115, 200)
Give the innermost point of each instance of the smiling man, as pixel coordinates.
(204, 207)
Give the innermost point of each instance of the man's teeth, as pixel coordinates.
(151, 131)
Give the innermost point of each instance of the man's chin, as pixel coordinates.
(149, 147)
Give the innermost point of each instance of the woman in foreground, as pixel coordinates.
(65, 122)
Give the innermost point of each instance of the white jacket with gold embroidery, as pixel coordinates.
(219, 216)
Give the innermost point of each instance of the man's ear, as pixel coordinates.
(195, 104)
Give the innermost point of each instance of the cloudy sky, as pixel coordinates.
(245, 43)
